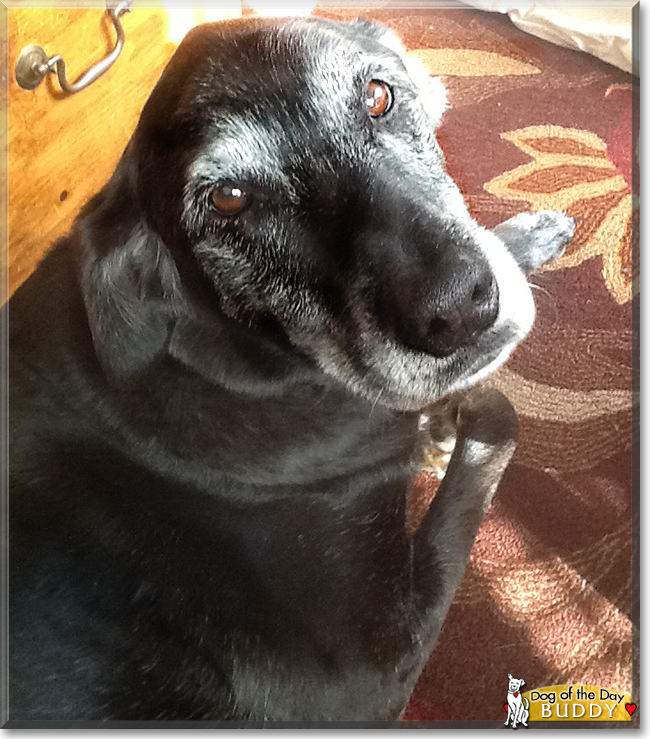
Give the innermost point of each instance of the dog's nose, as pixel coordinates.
(440, 314)
(461, 310)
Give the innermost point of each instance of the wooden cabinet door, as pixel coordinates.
(62, 149)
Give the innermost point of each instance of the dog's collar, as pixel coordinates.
(512, 692)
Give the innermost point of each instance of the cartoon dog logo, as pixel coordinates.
(517, 705)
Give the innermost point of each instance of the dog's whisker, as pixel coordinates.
(379, 394)
(549, 295)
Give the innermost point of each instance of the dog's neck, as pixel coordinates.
(257, 412)
(251, 409)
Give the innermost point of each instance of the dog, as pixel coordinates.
(517, 704)
(216, 385)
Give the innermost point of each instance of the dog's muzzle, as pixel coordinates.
(438, 310)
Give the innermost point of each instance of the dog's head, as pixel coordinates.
(295, 166)
(514, 683)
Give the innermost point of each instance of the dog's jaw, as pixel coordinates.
(406, 380)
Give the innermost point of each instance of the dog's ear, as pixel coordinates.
(129, 282)
(509, 676)
(522, 682)
(385, 36)
(141, 309)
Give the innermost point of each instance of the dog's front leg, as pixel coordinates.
(537, 237)
(486, 427)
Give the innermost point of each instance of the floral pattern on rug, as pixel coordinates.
(571, 171)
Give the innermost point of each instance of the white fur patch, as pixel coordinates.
(476, 452)
(433, 93)
(516, 304)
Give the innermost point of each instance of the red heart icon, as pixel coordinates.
(630, 708)
(515, 694)
(505, 705)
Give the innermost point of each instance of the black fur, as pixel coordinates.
(208, 519)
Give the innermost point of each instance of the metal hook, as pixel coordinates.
(33, 63)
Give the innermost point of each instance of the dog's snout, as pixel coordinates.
(446, 310)
(462, 309)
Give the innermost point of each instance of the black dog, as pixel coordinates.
(216, 382)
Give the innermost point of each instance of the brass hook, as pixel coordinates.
(33, 63)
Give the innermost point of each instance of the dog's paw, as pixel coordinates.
(487, 428)
(478, 424)
(549, 231)
(486, 415)
(536, 238)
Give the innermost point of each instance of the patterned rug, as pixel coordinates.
(547, 594)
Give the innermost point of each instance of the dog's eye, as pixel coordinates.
(229, 199)
(379, 98)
